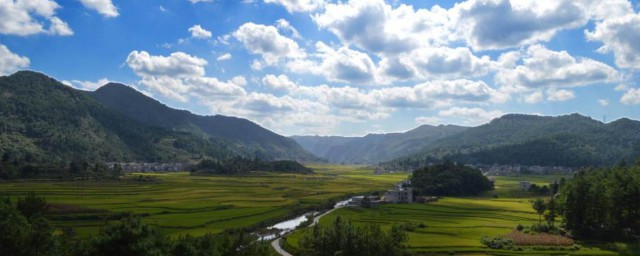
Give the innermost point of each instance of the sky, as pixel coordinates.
(350, 67)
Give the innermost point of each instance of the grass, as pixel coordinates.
(181, 204)
(455, 225)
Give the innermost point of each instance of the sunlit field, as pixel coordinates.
(180, 203)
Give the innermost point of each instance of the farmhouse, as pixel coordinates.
(399, 195)
(525, 185)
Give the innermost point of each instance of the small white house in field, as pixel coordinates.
(525, 185)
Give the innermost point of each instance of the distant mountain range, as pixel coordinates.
(375, 148)
(42, 120)
(571, 140)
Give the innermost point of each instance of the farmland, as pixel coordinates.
(455, 225)
(180, 203)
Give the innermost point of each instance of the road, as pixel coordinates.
(276, 243)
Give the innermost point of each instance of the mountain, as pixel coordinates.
(242, 136)
(570, 140)
(375, 148)
(44, 121)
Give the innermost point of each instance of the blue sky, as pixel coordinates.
(341, 67)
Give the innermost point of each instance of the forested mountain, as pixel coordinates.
(44, 121)
(570, 140)
(242, 136)
(374, 148)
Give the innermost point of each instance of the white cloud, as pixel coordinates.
(620, 36)
(181, 76)
(631, 97)
(199, 1)
(546, 68)
(375, 26)
(223, 57)
(559, 95)
(267, 42)
(286, 26)
(178, 64)
(88, 85)
(11, 62)
(104, 7)
(298, 5)
(471, 116)
(279, 83)
(534, 97)
(345, 65)
(499, 24)
(444, 62)
(198, 32)
(25, 17)
(430, 120)
(603, 102)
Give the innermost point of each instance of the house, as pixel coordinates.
(355, 201)
(525, 185)
(399, 195)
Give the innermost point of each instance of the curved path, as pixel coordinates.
(276, 243)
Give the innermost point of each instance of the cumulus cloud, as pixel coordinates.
(11, 62)
(559, 95)
(267, 42)
(345, 65)
(471, 116)
(534, 97)
(104, 7)
(444, 62)
(198, 32)
(223, 57)
(546, 68)
(631, 97)
(178, 64)
(619, 36)
(298, 5)
(280, 83)
(375, 26)
(181, 76)
(286, 26)
(25, 17)
(499, 24)
(603, 102)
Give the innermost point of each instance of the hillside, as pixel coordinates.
(44, 121)
(374, 148)
(242, 136)
(570, 140)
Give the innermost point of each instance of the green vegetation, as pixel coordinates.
(241, 136)
(456, 225)
(603, 204)
(44, 125)
(570, 141)
(449, 179)
(239, 165)
(32, 234)
(182, 204)
(343, 238)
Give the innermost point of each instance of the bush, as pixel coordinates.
(519, 227)
(540, 228)
(497, 242)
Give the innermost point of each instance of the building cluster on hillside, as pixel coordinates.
(521, 169)
(151, 167)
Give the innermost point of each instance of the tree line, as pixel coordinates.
(241, 165)
(449, 179)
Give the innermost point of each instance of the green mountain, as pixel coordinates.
(44, 121)
(570, 140)
(242, 136)
(375, 148)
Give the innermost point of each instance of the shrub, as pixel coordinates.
(497, 242)
(519, 227)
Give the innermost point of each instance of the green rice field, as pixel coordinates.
(455, 225)
(180, 203)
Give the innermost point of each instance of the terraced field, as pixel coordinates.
(182, 204)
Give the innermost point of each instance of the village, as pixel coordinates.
(402, 193)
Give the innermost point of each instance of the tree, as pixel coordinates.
(32, 205)
(539, 206)
(449, 178)
(552, 212)
(130, 238)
